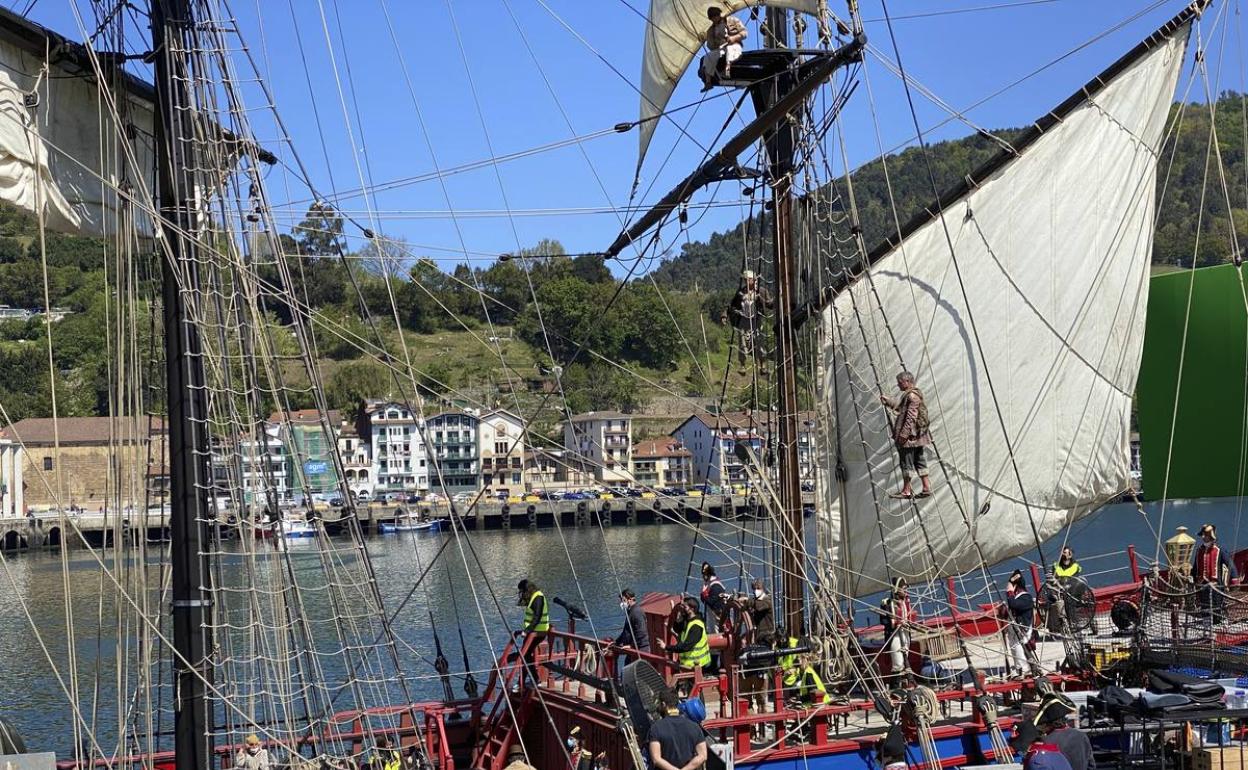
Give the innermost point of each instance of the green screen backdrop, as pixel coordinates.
(1209, 430)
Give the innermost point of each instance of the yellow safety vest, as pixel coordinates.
(543, 623)
(811, 683)
(1067, 572)
(391, 760)
(700, 655)
(788, 664)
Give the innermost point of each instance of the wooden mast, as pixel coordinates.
(172, 33)
(780, 152)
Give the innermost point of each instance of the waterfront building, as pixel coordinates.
(310, 469)
(502, 449)
(712, 439)
(551, 470)
(254, 466)
(662, 462)
(357, 459)
(604, 440)
(400, 458)
(453, 438)
(82, 461)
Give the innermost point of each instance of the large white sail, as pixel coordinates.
(675, 31)
(60, 148)
(1053, 249)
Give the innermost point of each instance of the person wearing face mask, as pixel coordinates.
(633, 636)
(694, 646)
(385, 756)
(252, 756)
(762, 614)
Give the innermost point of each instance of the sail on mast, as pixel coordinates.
(675, 30)
(1053, 245)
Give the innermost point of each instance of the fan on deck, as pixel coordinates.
(642, 687)
(1071, 605)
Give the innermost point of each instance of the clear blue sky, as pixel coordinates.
(569, 90)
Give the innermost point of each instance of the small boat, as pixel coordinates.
(292, 528)
(409, 524)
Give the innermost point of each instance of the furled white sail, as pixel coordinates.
(64, 154)
(1053, 250)
(675, 31)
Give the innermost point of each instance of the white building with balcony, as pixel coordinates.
(604, 440)
(454, 437)
(712, 441)
(502, 449)
(400, 460)
(357, 459)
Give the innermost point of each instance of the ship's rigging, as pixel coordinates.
(252, 657)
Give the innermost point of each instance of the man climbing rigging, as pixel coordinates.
(723, 46)
(896, 615)
(910, 434)
(745, 315)
(1066, 567)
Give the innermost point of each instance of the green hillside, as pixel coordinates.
(476, 336)
(714, 265)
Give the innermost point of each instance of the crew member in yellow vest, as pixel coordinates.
(810, 688)
(693, 646)
(788, 664)
(387, 757)
(1066, 566)
(536, 625)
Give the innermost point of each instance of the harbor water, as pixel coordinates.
(470, 588)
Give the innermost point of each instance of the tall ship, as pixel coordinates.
(941, 404)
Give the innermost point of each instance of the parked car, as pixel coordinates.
(412, 499)
(363, 496)
(336, 502)
(808, 486)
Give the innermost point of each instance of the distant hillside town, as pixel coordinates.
(389, 453)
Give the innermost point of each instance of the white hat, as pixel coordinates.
(748, 274)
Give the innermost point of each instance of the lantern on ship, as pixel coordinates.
(1179, 550)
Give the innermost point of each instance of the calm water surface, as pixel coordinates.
(584, 566)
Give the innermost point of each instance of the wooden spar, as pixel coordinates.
(723, 164)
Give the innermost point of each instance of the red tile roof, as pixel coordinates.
(70, 431)
(662, 447)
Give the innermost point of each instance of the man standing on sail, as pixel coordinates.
(910, 434)
(723, 42)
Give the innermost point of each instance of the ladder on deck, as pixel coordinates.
(509, 712)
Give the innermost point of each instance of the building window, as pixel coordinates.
(47, 463)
